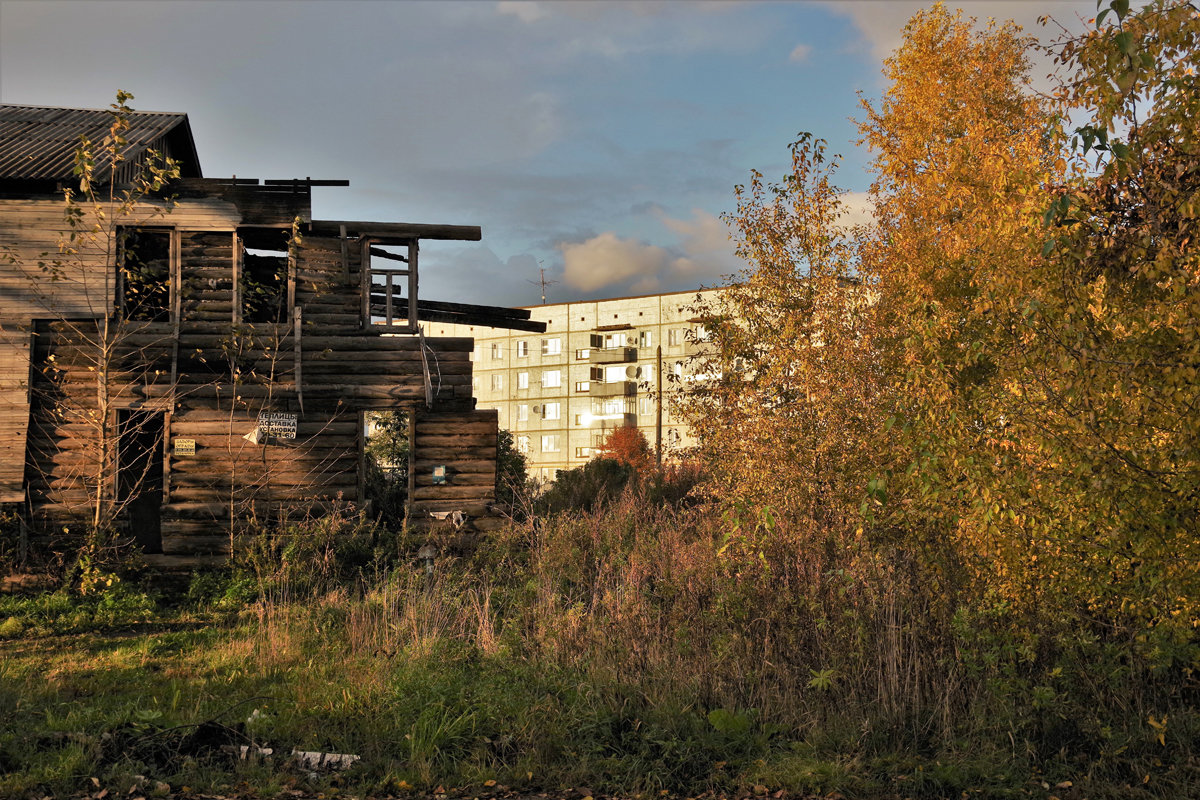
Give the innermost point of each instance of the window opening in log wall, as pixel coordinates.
(263, 279)
(144, 274)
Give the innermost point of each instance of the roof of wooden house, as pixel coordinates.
(40, 142)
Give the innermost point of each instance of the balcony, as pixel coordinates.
(613, 355)
(606, 422)
(614, 389)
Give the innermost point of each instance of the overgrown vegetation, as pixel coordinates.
(947, 543)
(637, 649)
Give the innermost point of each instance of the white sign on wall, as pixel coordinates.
(279, 424)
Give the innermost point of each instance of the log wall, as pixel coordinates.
(210, 374)
(464, 443)
(14, 410)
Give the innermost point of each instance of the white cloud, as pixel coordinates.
(704, 239)
(800, 53)
(608, 260)
(702, 254)
(882, 23)
(527, 11)
(859, 209)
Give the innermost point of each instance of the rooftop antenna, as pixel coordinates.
(543, 282)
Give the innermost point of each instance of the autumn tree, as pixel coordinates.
(627, 445)
(1111, 345)
(960, 148)
(783, 391)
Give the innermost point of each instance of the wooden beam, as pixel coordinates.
(399, 230)
(378, 253)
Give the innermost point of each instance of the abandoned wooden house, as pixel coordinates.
(206, 354)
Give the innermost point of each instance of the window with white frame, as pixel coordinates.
(552, 347)
(550, 443)
(551, 378)
(523, 444)
(582, 386)
(674, 337)
(497, 381)
(552, 411)
(522, 348)
(522, 412)
(522, 380)
(646, 339)
(497, 351)
(615, 340)
(614, 374)
(615, 405)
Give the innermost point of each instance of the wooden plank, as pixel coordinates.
(399, 230)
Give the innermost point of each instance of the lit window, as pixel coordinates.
(551, 378)
(522, 349)
(551, 347)
(614, 374)
(550, 443)
(522, 380)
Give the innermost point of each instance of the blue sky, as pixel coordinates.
(599, 141)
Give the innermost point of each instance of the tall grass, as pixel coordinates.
(671, 643)
(636, 648)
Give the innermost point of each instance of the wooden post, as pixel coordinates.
(299, 358)
(237, 281)
(658, 413)
(387, 300)
(175, 284)
(412, 285)
(364, 272)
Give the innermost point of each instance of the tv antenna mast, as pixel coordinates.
(543, 283)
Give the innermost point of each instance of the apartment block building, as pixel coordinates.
(597, 367)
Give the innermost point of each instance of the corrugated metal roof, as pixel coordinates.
(39, 142)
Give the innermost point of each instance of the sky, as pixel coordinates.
(598, 141)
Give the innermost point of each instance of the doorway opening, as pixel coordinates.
(140, 475)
